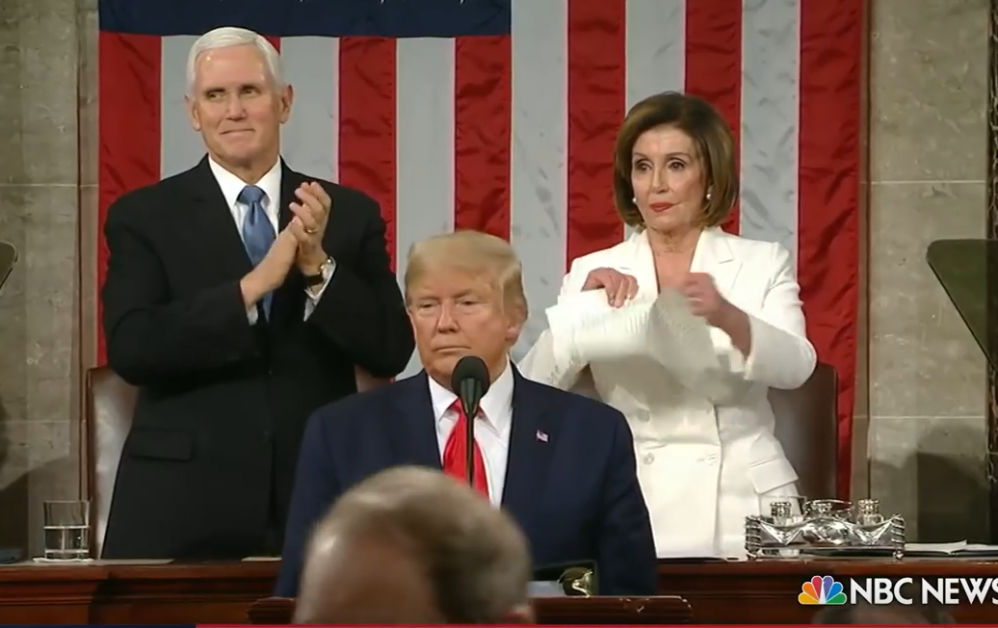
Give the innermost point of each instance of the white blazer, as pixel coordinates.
(703, 464)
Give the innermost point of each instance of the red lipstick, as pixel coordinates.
(661, 207)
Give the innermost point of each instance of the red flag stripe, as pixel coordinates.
(596, 80)
(367, 123)
(828, 218)
(129, 131)
(482, 128)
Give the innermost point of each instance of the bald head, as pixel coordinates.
(410, 545)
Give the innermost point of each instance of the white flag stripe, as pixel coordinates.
(770, 120)
(656, 44)
(180, 145)
(538, 154)
(424, 147)
(655, 55)
(309, 139)
(425, 160)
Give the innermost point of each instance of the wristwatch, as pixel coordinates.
(325, 271)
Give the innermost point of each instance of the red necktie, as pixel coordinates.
(455, 454)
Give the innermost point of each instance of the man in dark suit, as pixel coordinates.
(240, 296)
(561, 464)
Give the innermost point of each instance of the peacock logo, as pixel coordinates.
(821, 590)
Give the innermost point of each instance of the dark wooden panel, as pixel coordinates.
(549, 611)
(766, 591)
(742, 592)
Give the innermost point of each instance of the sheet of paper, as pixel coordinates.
(935, 548)
(681, 340)
(692, 554)
(586, 329)
(958, 547)
(595, 329)
(540, 588)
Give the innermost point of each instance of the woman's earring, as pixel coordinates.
(634, 199)
(708, 195)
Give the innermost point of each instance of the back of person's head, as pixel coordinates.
(864, 613)
(410, 545)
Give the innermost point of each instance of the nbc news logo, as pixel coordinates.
(824, 590)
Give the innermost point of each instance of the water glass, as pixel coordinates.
(67, 530)
(791, 509)
(797, 505)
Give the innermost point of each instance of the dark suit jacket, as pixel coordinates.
(208, 467)
(576, 496)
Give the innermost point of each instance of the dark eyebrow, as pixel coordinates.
(669, 156)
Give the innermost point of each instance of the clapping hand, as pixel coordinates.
(309, 226)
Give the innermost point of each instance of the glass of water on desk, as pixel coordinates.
(67, 530)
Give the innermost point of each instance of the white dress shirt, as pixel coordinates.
(492, 428)
(232, 186)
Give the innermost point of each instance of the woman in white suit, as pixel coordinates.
(702, 423)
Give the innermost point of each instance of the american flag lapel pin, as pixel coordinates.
(542, 436)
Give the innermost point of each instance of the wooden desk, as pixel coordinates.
(766, 591)
(600, 611)
(118, 592)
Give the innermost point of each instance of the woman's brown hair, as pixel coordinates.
(711, 135)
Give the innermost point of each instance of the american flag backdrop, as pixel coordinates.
(500, 115)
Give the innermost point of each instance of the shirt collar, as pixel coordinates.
(497, 404)
(232, 185)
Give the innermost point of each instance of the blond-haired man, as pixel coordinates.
(561, 464)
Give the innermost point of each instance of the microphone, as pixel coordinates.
(470, 381)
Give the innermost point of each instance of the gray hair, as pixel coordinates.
(226, 37)
(475, 556)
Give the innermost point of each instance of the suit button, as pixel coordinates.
(649, 458)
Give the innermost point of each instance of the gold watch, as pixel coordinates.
(316, 280)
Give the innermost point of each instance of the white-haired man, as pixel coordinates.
(240, 296)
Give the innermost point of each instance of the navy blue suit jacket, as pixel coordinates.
(576, 495)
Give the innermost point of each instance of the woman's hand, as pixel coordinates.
(620, 288)
(704, 300)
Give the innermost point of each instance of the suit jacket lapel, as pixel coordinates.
(211, 220)
(532, 443)
(289, 299)
(413, 432)
(713, 255)
(290, 180)
(642, 267)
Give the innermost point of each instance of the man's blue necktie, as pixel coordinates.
(258, 233)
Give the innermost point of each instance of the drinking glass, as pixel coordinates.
(67, 530)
